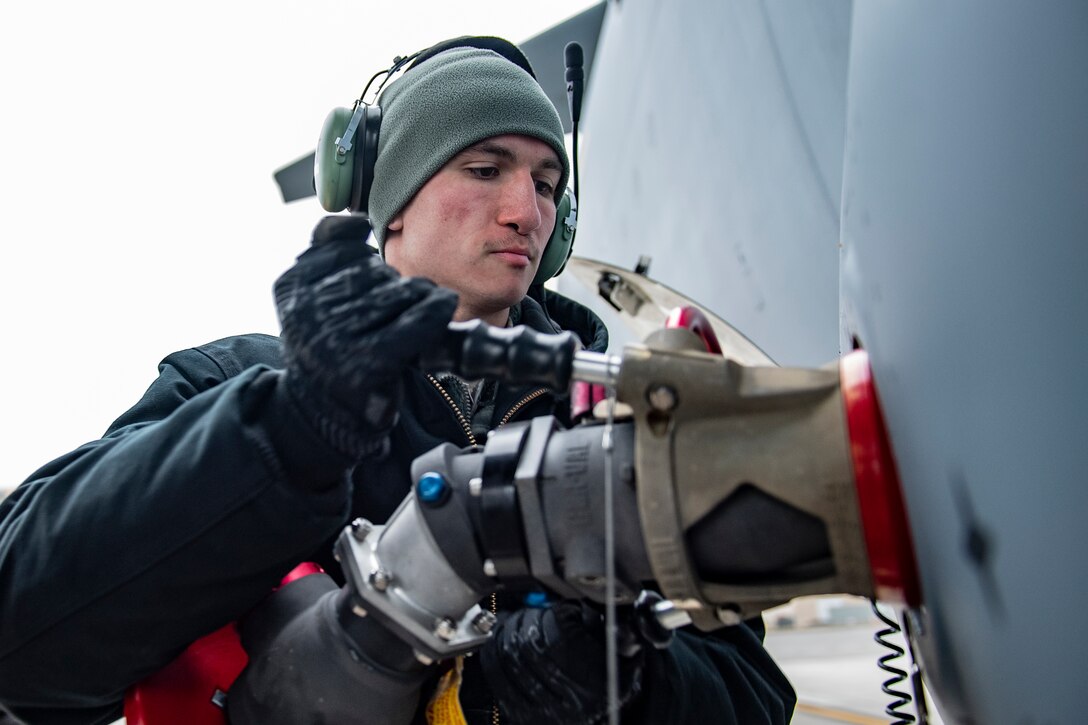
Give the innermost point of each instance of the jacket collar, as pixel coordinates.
(546, 311)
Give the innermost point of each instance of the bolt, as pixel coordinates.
(360, 529)
(380, 579)
(219, 699)
(475, 486)
(432, 488)
(662, 398)
(489, 568)
(422, 658)
(484, 622)
(358, 611)
(445, 628)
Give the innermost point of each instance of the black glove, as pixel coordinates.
(549, 665)
(350, 325)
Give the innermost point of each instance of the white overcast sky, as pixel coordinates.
(138, 214)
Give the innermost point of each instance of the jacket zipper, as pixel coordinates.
(457, 411)
(494, 702)
(465, 425)
(472, 440)
(521, 404)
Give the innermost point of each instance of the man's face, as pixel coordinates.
(480, 224)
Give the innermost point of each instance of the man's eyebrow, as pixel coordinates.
(552, 165)
(491, 148)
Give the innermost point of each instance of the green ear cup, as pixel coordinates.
(333, 172)
(559, 247)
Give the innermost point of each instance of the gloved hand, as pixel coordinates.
(548, 665)
(350, 325)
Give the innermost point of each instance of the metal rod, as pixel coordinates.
(596, 367)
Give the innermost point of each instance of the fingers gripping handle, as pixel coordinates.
(475, 349)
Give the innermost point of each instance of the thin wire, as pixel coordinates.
(574, 145)
(362, 96)
(611, 655)
(398, 63)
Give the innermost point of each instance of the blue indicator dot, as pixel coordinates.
(431, 487)
(538, 600)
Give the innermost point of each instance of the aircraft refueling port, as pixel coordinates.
(880, 497)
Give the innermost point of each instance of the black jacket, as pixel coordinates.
(116, 556)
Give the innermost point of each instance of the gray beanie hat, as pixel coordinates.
(442, 106)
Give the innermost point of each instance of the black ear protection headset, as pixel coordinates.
(348, 149)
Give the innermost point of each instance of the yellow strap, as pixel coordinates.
(445, 706)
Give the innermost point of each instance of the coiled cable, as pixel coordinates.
(900, 698)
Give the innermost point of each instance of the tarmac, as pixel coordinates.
(835, 673)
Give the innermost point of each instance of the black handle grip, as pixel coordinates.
(475, 349)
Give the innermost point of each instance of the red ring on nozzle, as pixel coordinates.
(880, 498)
(692, 318)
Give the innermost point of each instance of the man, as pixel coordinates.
(248, 455)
